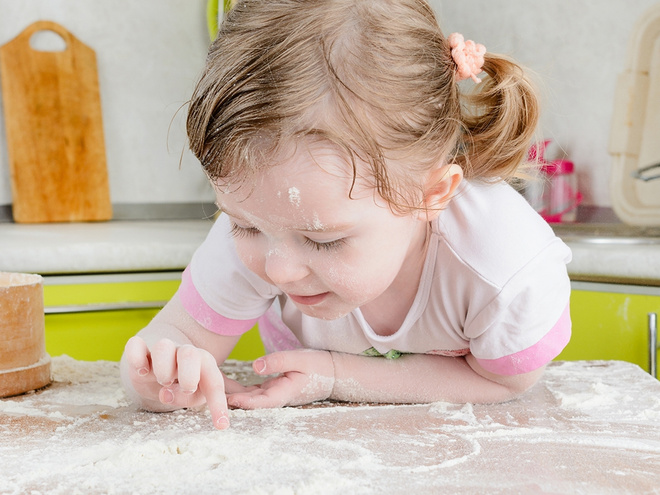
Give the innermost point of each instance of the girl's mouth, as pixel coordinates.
(309, 300)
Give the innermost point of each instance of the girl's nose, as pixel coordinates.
(283, 266)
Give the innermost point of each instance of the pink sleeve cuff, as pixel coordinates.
(206, 316)
(535, 356)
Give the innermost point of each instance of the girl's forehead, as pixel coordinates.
(307, 181)
(321, 163)
(309, 151)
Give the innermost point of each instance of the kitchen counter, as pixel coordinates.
(115, 246)
(609, 252)
(586, 427)
(615, 263)
(612, 252)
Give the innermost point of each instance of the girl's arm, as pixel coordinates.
(173, 363)
(306, 376)
(420, 378)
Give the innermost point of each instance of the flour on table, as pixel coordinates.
(577, 431)
(605, 400)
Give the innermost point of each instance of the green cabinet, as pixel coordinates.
(90, 317)
(610, 321)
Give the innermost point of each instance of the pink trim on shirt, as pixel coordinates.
(196, 307)
(535, 356)
(275, 335)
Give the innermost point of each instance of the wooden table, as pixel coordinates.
(587, 427)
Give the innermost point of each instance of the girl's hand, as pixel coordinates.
(169, 377)
(304, 376)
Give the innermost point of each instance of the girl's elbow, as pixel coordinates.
(517, 385)
(508, 386)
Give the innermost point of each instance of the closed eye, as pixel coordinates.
(239, 232)
(325, 246)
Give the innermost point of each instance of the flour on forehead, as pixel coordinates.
(294, 196)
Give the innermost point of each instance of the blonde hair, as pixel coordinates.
(373, 77)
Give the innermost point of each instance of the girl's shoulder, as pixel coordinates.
(494, 231)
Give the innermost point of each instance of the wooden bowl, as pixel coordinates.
(24, 363)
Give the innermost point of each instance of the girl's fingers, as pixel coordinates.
(249, 401)
(163, 359)
(254, 399)
(188, 359)
(302, 377)
(284, 361)
(138, 358)
(234, 387)
(183, 376)
(211, 385)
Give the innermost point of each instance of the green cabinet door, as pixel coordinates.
(90, 317)
(610, 322)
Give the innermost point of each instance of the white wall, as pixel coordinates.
(149, 54)
(577, 48)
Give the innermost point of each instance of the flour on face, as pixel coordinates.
(294, 196)
(317, 224)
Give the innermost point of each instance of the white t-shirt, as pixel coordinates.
(494, 284)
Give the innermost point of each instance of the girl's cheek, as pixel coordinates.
(252, 256)
(345, 271)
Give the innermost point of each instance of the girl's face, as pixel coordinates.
(296, 227)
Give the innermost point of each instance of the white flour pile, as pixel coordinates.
(587, 428)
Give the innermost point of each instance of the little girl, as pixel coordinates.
(367, 223)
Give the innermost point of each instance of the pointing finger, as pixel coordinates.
(211, 385)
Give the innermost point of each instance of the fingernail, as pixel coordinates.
(260, 365)
(168, 396)
(143, 371)
(222, 422)
(189, 392)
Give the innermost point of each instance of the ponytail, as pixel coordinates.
(499, 121)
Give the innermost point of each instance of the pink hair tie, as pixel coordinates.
(468, 56)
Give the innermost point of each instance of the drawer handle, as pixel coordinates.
(93, 308)
(653, 344)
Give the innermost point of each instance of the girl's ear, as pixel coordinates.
(441, 185)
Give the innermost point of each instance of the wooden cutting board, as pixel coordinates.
(54, 125)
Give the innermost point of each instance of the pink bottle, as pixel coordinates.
(560, 194)
(554, 194)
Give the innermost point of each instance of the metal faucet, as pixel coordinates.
(641, 173)
(653, 345)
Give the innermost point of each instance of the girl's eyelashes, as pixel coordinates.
(241, 232)
(325, 246)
